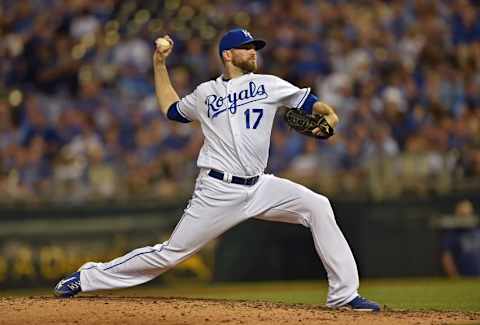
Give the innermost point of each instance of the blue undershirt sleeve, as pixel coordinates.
(308, 103)
(174, 114)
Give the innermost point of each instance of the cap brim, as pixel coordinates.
(258, 43)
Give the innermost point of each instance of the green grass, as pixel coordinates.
(402, 294)
(431, 294)
(405, 294)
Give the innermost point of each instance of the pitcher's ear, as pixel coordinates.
(227, 55)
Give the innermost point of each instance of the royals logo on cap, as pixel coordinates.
(238, 37)
(247, 33)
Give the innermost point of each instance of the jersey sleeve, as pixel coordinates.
(187, 106)
(290, 95)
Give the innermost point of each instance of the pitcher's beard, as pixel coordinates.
(246, 66)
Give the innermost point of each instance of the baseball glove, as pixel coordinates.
(306, 123)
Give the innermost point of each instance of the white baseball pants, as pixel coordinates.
(215, 207)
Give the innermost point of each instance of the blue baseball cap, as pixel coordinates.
(238, 37)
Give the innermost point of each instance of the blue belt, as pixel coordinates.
(235, 179)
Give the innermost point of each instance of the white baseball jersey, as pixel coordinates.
(236, 117)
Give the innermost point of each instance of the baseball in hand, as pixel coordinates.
(162, 44)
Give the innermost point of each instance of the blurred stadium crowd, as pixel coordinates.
(79, 121)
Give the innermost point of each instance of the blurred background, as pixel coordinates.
(89, 168)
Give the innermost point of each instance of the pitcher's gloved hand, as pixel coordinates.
(307, 123)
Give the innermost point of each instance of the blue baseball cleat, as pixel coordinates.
(362, 304)
(69, 286)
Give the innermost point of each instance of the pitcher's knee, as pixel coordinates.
(170, 258)
(170, 262)
(160, 257)
(319, 208)
(323, 201)
(316, 206)
(318, 202)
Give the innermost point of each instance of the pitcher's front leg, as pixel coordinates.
(294, 203)
(334, 251)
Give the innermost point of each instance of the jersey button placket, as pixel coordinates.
(234, 126)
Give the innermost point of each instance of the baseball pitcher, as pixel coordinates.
(236, 113)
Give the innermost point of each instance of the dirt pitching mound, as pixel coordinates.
(151, 310)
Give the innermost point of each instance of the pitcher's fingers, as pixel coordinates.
(168, 38)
